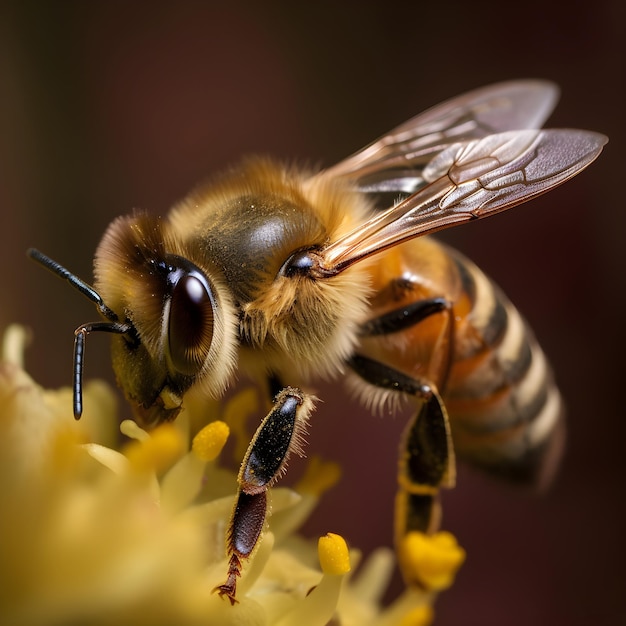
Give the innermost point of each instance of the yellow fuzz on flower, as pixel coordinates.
(94, 534)
(431, 561)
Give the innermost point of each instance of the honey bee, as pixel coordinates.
(291, 276)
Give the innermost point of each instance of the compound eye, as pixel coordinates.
(190, 325)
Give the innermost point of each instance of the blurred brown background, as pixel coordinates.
(107, 106)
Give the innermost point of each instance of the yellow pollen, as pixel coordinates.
(170, 399)
(156, 453)
(208, 443)
(333, 554)
(432, 560)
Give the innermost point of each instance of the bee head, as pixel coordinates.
(182, 320)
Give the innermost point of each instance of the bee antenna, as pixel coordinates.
(86, 289)
(80, 335)
(112, 326)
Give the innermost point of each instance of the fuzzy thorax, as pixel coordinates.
(304, 325)
(248, 223)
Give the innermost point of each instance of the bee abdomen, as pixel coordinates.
(505, 408)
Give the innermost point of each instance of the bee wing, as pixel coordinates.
(393, 163)
(469, 180)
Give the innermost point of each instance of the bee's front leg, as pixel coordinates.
(281, 432)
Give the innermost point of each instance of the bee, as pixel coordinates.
(291, 276)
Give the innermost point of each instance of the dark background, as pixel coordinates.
(107, 106)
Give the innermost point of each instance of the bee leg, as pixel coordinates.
(426, 465)
(426, 462)
(404, 317)
(281, 432)
(411, 314)
(245, 527)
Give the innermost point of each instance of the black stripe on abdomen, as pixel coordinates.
(504, 407)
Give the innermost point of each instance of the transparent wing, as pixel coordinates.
(469, 180)
(393, 163)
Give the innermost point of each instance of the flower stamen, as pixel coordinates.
(430, 561)
(156, 453)
(208, 443)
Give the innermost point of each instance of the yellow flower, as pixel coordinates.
(97, 532)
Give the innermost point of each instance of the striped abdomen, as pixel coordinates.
(506, 411)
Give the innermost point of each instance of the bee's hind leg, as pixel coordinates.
(426, 451)
(426, 460)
